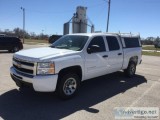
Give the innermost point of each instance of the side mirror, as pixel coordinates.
(93, 49)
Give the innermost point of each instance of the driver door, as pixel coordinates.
(96, 62)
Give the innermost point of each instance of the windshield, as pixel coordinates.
(71, 42)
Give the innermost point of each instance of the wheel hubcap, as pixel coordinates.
(69, 86)
(132, 69)
(15, 49)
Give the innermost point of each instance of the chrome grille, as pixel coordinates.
(23, 62)
(23, 66)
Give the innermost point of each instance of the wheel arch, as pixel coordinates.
(133, 59)
(72, 69)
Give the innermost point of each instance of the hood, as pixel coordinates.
(42, 53)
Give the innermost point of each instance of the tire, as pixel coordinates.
(15, 49)
(131, 69)
(9, 51)
(68, 85)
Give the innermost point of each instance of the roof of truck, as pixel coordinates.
(108, 34)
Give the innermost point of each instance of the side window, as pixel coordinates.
(131, 42)
(7, 39)
(98, 41)
(112, 43)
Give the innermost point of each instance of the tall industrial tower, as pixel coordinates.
(79, 20)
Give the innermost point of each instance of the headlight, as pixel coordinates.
(45, 68)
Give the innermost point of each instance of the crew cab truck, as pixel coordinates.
(74, 58)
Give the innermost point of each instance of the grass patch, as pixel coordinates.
(150, 47)
(33, 41)
(151, 53)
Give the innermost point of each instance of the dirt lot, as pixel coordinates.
(96, 99)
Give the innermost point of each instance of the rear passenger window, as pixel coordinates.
(131, 42)
(112, 43)
(98, 41)
(7, 39)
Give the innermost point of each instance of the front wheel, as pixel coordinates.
(131, 69)
(68, 85)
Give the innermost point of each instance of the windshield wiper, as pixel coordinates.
(60, 47)
(52, 46)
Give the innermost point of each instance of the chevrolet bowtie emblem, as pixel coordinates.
(18, 64)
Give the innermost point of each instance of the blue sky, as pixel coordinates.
(134, 16)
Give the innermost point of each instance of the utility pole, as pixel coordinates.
(109, 3)
(23, 22)
(42, 35)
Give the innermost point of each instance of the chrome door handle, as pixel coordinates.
(119, 53)
(104, 56)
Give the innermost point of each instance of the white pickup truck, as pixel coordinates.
(74, 58)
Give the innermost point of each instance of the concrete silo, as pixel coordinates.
(79, 20)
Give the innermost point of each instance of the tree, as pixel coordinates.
(53, 38)
(148, 41)
(18, 32)
(32, 35)
(157, 42)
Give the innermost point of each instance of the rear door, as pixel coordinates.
(115, 54)
(14, 42)
(8, 43)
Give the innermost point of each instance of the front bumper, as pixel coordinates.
(40, 83)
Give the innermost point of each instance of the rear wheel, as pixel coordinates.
(10, 51)
(15, 49)
(131, 69)
(68, 85)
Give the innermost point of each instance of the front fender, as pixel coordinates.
(68, 61)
